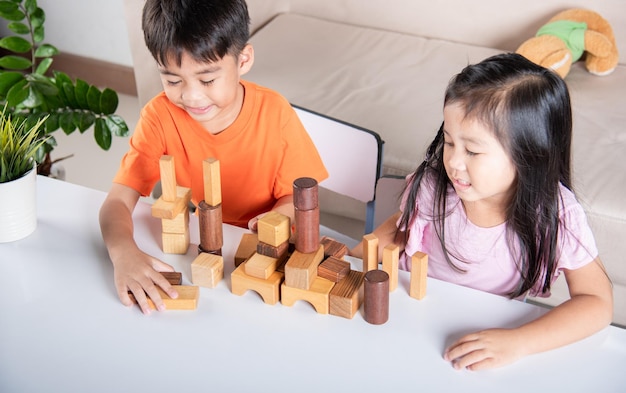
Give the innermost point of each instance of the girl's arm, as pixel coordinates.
(386, 234)
(589, 309)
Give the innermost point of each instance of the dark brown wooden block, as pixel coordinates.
(333, 269)
(210, 221)
(307, 230)
(174, 278)
(376, 297)
(271, 251)
(305, 193)
(333, 248)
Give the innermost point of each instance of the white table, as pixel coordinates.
(63, 329)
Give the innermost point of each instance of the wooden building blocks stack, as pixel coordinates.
(310, 269)
(172, 208)
(207, 269)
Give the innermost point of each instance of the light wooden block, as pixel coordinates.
(207, 270)
(187, 298)
(247, 247)
(419, 274)
(370, 252)
(175, 243)
(274, 228)
(347, 295)
(178, 224)
(261, 266)
(168, 178)
(333, 269)
(317, 295)
(212, 181)
(301, 269)
(391, 254)
(164, 209)
(268, 289)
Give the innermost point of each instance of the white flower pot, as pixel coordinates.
(18, 207)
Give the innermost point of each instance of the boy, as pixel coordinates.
(201, 49)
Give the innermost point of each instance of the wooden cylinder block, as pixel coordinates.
(307, 230)
(376, 297)
(305, 195)
(210, 220)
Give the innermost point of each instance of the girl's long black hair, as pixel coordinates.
(529, 111)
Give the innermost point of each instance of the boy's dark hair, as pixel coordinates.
(528, 108)
(206, 29)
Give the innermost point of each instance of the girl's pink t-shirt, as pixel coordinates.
(484, 254)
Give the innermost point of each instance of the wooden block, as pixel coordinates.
(370, 252)
(210, 225)
(391, 253)
(175, 243)
(174, 278)
(274, 228)
(271, 251)
(419, 274)
(187, 298)
(163, 209)
(317, 295)
(247, 247)
(212, 181)
(261, 266)
(347, 295)
(301, 269)
(376, 297)
(168, 178)
(333, 269)
(207, 270)
(268, 289)
(332, 248)
(305, 193)
(178, 224)
(307, 230)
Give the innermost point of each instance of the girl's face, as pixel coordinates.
(209, 92)
(479, 168)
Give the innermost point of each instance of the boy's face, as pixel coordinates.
(209, 92)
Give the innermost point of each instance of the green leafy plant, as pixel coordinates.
(19, 143)
(30, 92)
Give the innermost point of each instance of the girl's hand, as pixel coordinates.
(485, 349)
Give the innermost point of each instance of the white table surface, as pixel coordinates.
(63, 329)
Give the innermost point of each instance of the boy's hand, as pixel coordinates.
(139, 273)
(485, 349)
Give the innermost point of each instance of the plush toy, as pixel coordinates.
(567, 37)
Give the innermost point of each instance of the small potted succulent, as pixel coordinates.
(19, 143)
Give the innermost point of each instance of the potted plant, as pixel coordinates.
(19, 143)
(30, 92)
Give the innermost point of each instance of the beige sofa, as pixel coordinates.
(384, 64)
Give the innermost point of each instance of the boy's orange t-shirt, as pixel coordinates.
(261, 153)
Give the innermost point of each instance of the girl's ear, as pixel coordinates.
(246, 59)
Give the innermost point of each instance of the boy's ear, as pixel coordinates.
(246, 59)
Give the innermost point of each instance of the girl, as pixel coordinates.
(492, 206)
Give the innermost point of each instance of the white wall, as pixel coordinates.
(88, 28)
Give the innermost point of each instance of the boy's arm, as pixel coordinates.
(386, 234)
(589, 310)
(134, 270)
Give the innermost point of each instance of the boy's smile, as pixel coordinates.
(209, 92)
